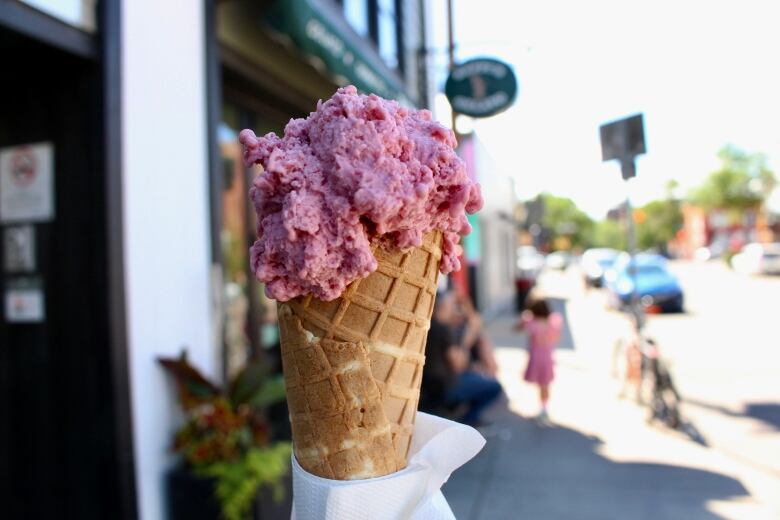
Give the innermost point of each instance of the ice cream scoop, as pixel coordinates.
(359, 171)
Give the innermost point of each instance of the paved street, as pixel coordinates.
(602, 459)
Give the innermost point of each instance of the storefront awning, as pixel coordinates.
(319, 30)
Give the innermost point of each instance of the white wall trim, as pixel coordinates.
(166, 220)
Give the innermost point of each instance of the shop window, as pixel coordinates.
(378, 20)
(235, 296)
(78, 13)
(387, 40)
(249, 317)
(265, 334)
(356, 13)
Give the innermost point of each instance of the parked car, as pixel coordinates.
(559, 260)
(529, 261)
(529, 264)
(658, 289)
(758, 259)
(596, 263)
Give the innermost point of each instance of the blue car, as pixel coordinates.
(658, 290)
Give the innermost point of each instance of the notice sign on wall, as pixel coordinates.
(27, 183)
(19, 248)
(24, 301)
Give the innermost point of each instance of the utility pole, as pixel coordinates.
(451, 54)
(623, 140)
(631, 232)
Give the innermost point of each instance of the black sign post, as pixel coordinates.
(623, 140)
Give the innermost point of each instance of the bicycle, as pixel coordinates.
(644, 368)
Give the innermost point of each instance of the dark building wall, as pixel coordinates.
(57, 415)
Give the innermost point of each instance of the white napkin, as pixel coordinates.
(439, 447)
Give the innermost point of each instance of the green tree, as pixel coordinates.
(658, 223)
(562, 218)
(671, 187)
(743, 181)
(609, 233)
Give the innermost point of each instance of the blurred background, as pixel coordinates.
(126, 227)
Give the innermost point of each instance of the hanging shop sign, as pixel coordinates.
(481, 88)
(27, 183)
(319, 31)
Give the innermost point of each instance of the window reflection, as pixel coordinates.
(249, 317)
(356, 13)
(388, 37)
(379, 21)
(235, 256)
(264, 329)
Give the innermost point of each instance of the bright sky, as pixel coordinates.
(704, 73)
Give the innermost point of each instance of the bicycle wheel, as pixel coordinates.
(667, 398)
(671, 416)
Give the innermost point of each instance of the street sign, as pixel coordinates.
(623, 140)
(481, 87)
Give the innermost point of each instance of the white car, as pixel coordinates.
(529, 264)
(529, 261)
(596, 263)
(559, 260)
(758, 259)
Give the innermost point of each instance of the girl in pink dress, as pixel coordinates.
(544, 331)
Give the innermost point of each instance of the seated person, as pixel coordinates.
(447, 380)
(470, 335)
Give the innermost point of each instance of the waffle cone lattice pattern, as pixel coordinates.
(389, 313)
(339, 427)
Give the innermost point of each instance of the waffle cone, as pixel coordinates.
(381, 322)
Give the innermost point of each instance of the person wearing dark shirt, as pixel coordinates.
(437, 375)
(447, 381)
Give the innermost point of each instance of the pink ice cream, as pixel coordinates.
(357, 170)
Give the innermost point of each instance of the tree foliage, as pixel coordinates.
(562, 218)
(609, 233)
(743, 181)
(661, 219)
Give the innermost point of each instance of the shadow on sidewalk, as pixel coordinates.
(503, 334)
(768, 413)
(529, 471)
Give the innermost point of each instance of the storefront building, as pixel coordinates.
(124, 218)
(489, 250)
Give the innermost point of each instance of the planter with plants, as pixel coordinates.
(227, 450)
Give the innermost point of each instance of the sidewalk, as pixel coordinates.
(600, 460)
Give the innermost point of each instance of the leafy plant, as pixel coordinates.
(238, 482)
(225, 435)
